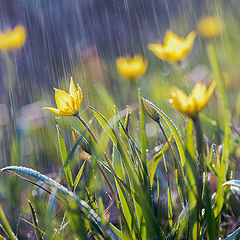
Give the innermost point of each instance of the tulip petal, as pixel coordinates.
(54, 110)
(64, 101)
(79, 99)
(157, 49)
(73, 90)
(211, 89)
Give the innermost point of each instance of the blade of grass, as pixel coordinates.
(234, 236)
(142, 129)
(34, 226)
(211, 223)
(224, 106)
(169, 197)
(223, 170)
(152, 166)
(78, 176)
(191, 173)
(180, 223)
(6, 226)
(64, 156)
(35, 220)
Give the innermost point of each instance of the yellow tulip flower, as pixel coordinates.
(67, 104)
(10, 40)
(210, 27)
(194, 103)
(174, 48)
(131, 68)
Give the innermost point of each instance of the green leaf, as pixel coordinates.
(234, 183)
(64, 156)
(211, 222)
(142, 129)
(191, 174)
(5, 225)
(78, 176)
(234, 236)
(180, 223)
(152, 166)
(223, 170)
(37, 230)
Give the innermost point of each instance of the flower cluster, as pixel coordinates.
(173, 49)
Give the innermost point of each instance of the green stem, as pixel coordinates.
(166, 138)
(6, 226)
(215, 65)
(87, 127)
(133, 85)
(9, 86)
(95, 139)
(200, 149)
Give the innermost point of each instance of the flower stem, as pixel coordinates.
(95, 139)
(166, 138)
(200, 149)
(87, 127)
(216, 68)
(133, 85)
(200, 143)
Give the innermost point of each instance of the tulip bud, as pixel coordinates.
(150, 110)
(83, 143)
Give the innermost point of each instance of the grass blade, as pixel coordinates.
(64, 156)
(78, 176)
(223, 170)
(234, 236)
(35, 220)
(5, 225)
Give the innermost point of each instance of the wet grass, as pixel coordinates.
(129, 166)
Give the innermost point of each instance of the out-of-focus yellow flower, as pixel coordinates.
(131, 68)
(10, 40)
(174, 48)
(210, 27)
(67, 104)
(194, 103)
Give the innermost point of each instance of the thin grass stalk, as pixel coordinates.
(200, 146)
(6, 226)
(218, 76)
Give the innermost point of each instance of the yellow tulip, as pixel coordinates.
(194, 103)
(131, 68)
(10, 40)
(67, 104)
(174, 48)
(210, 27)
